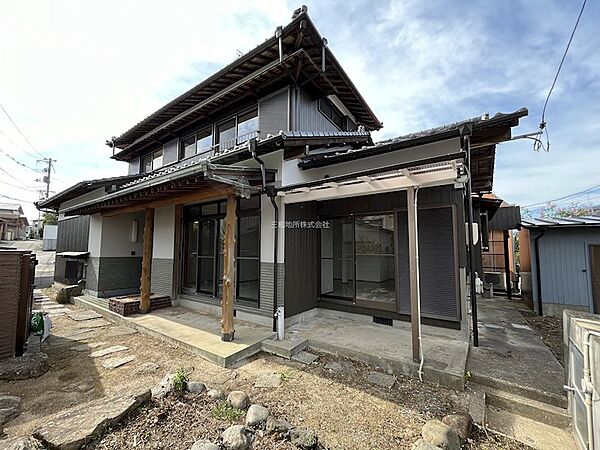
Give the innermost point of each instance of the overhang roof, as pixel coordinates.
(302, 52)
(83, 187)
(11, 207)
(487, 132)
(561, 222)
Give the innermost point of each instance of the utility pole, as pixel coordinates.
(45, 179)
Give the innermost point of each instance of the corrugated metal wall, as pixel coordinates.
(273, 114)
(72, 236)
(565, 265)
(308, 117)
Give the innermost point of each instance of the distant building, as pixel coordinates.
(13, 224)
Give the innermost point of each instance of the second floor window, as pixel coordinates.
(237, 130)
(329, 110)
(196, 144)
(152, 161)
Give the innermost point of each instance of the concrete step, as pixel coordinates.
(521, 390)
(89, 302)
(525, 407)
(528, 431)
(286, 348)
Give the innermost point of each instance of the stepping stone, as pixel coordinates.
(305, 357)
(381, 379)
(340, 367)
(120, 331)
(86, 347)
(521, 326)
(268, 380)
(108, 351)
(492, 326)
(97, 323)
(113, 363)
(89, 334)
(84, 315)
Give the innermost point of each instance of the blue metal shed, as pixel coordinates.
(565, 264)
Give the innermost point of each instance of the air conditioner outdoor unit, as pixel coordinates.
(498, 279)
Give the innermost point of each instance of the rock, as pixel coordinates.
(113, 363)
(73, 428)
(256, 415)
(195, 387)
(86, 314)
(237, 437)
(27, 443)
(303, 438)
(305, 357)
(108, 351)
(238, 399)
(462, 423)
(422, 445)
(215, 394)
(278, 425)
(204, 445)
(65, 294)
(86, 347)
(381, 379)
(30, 365)
(146, 368)
(9, 408)
(343, 367)
(438, 433)
(164, 387)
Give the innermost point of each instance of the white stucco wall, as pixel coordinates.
(267, 232)
(164, 232)
(95, 235)
(117, 235)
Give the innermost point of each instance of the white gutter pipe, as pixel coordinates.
(587, 385)
(421, 355)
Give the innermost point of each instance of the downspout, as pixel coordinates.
(270, 192)
(421, 355)
(588, 386)
(465, 131)
(538, 271)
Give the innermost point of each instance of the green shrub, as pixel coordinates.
(180, 380)
(224, 411)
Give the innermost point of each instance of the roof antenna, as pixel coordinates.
(301, 10)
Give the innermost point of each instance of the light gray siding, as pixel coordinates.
(565, 266)
(308, 117)
(266, 285)
(134, 166)
(162, 276)
(273, 114)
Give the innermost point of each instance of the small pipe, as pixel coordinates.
(279, 35)
(421, 354)
(538, 271)
(473, 292)
(588, 387)
(323, 47)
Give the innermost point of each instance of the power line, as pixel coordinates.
(13, 177)
(16, 199)
(537, 145)
(31, 155)
(18, 187)
(585, 191)
(19, 162)
(19, 130)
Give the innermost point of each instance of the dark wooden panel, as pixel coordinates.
(301, 260)
(73, 234)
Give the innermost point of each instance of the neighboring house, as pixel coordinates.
(277, 146)
(560, 257)
(13, 224)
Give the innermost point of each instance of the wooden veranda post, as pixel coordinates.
(146, 278)
(227, 330)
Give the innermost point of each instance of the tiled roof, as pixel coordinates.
(10, 206)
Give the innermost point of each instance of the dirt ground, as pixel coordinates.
(550, 329)
(345, 411)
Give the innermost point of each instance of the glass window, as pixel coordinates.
(245, 204)
(206, 256)
(337, 259)
(190, 254)
(204, 141)
(375, 263)
(248, 257)
(329, 110)
(157, 160)
(210, 209)
(188, 147)
(226, 134)
(247, 126)
(147, 164)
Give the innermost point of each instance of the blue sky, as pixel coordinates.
(76, 73)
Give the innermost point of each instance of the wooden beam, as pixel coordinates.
(203, 194)
(146, 279)
(415, 318)
(227, 330)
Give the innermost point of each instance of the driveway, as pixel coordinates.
(44, 271)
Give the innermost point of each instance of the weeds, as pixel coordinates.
(180, 380)
(224, 411)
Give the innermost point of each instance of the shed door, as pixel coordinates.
(595, 257)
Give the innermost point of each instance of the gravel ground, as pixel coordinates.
(550, 329)
(340, 406)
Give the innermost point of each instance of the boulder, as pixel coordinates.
(65, 294)
(237, 437)
(204, 445)
(215, 394)
(303, 438)
(441, 435)
(278, 425)
(238, 399)
(195, 387)
(462, 423)
(165, 387)
(9, 408)
(30, 365)
(422, 445)
(27, 443)
(256, 415)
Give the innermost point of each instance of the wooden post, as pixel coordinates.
(415, 310)
(146, 278)
(227, 330)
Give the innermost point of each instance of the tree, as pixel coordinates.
(553, 210)
(50, 218)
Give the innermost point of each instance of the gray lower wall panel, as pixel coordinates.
(91, 278)
(162, 276)
(266, 285)
(109, 276)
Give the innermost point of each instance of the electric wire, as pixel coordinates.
(576, 194)
(16, 199)
(538, 145)
(18, 187)
(20, 132)
(19, 162)
(12, 176)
